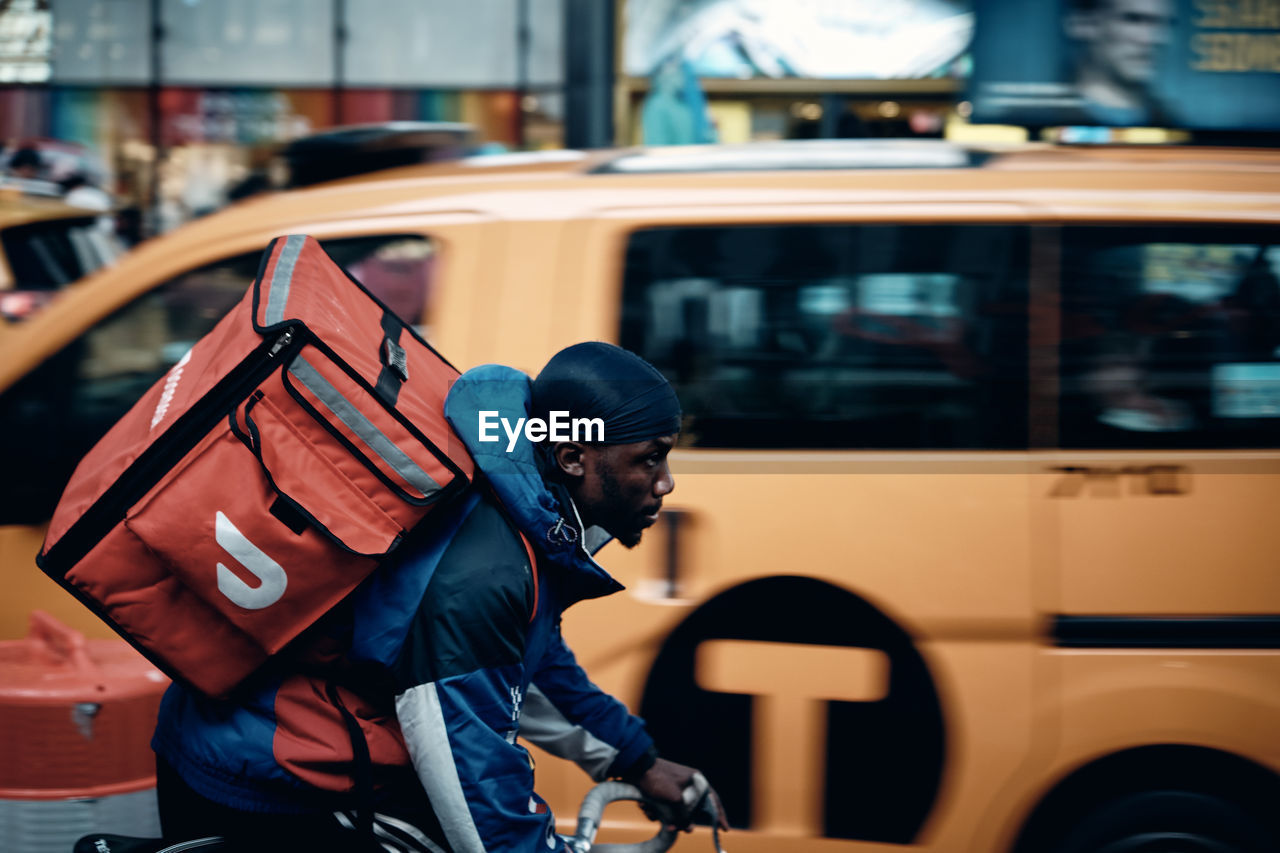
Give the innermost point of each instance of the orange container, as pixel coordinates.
(76, 715)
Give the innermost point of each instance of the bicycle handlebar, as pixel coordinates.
(695, 798)
(589, 821)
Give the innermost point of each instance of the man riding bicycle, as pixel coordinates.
(396, 720)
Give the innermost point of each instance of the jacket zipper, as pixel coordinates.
(187, 431)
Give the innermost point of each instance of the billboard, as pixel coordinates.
(1195, 64)
(806, 39)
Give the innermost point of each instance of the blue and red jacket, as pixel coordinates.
(445, 655)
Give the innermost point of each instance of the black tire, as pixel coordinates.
(1168, 822)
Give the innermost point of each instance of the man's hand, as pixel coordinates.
(665, 781)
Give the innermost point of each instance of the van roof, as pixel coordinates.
(845, 154)
(792, 159)
(19, 208)
(564, 184)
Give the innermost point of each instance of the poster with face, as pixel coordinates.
(1195, 64)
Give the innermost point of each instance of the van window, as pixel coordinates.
(51, 418)
(51, 254)
(836, 336)
(400, 271)
(1170, 337)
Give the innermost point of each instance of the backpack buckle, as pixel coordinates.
(395, 358)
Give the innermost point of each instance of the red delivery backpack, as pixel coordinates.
(262, 478)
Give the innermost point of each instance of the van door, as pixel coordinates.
(1163, 366)
(1168, 478)
(838, 601)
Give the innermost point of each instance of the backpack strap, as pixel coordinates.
(362, 771)
(533, 566)
(483, 483)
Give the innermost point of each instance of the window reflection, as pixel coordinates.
(836, 336)
(52, 254)
(399, 271)
(1170, 337)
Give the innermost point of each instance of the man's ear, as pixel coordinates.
(568, 458)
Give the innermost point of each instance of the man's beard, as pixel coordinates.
(622, 527)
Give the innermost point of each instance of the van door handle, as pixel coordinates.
(1160, 479)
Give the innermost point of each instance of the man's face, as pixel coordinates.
(1128, 36)
(623, 485)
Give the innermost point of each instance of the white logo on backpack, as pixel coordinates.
(170, 388)
(256, 561)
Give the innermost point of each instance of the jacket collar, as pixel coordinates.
(543, 511)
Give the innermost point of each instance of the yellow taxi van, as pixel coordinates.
(974, 539)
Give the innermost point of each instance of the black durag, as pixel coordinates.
(599, 380)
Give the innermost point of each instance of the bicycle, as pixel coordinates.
(697, 803)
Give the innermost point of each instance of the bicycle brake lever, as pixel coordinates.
(696, 802)
(705, 804)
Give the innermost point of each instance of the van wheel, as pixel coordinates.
(1168, 822)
